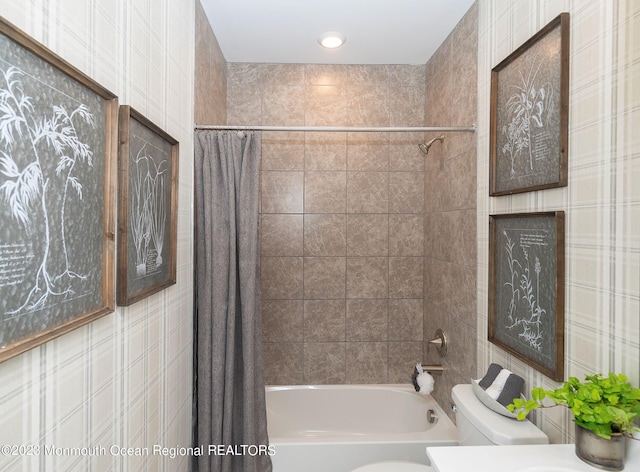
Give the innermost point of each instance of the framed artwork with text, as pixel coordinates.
(526, 288)
(529, 114)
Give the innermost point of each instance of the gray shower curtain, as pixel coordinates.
(229, 395)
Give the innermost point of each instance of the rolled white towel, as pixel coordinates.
(425, 382)
(498, 384)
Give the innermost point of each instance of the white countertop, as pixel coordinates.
(530, 458)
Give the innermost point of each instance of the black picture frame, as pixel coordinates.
(58, 131)
(526, 288)
(147, 207)
(529, 114)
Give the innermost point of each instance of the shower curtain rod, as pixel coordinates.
(471, 128)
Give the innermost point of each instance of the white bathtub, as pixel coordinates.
(336, 428)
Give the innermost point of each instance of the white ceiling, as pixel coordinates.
(377, 31)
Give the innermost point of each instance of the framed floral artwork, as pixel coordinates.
(147, 207)
(530, 114)
(526, 288)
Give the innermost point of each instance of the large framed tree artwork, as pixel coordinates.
(58, 131)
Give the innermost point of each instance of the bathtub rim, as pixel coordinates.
(444, 425)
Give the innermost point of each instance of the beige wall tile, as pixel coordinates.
(439, 230)
(324, 363)
(367, 320)
(210, 78)
(282, 364)
(325, 192)
(282, 192)
(406, 192)
(282, 320)
(368, 151)
(284, 74)
(282, 151)
(283, 105)
(367, 277)
(438, 281)
(326, 74)
(404, 108)
(243, 73)
(325, 151)
(463, 241)
(325, 235)
(406, 319)
(404, 153)
(281, 277)
(326, 105)
(281, 235)
(462, 191)
(324, 277)
(367, 235)
(367, 362)
(368, 105)
(407, 75)
(463, 302)
(358, 74)
(406, 235)
(324, 320)
(406, 279)
(244, 104)
(367, 192)
(403, 356)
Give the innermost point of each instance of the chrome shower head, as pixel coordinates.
(424, 147)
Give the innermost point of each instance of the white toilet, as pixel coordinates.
(477, 426)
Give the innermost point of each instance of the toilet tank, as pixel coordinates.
(478, 425)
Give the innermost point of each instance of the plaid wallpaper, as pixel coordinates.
(123, 381)
(602, 200)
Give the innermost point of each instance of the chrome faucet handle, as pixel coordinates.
(441, 342)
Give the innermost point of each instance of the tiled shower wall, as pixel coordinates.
(450, 206)
(210, 79)
(342, 224)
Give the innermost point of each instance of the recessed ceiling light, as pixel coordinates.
(332, 39)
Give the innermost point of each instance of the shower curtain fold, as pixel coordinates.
(229, 395)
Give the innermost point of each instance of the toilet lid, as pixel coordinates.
(394, 466)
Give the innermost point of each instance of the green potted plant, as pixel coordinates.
(605, 410)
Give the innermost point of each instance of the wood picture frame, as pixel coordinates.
(147, 207)
(526, 288)
(58, 136)
(529, 114)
